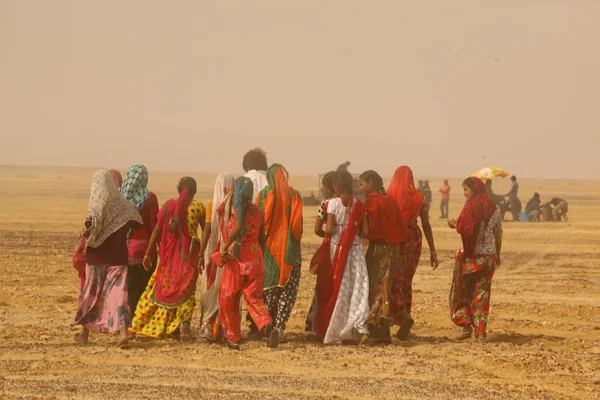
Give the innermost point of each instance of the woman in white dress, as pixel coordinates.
(344, 316)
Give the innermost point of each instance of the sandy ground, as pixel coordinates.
(544, 332)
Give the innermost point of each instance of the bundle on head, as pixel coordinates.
(343, 167)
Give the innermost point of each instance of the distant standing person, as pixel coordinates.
(560, 209)
(427, 193)
(513, 199)
(255, 165)
(445, 192)
(532, 209)
(145, 202)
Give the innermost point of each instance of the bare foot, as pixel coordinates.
(185, 334)
(123, 343)
(81, 339)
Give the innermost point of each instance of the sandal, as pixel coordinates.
(466, 333)
(272, 336)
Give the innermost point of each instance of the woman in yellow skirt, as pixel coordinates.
(168, 302)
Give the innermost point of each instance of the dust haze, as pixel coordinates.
(446, 87)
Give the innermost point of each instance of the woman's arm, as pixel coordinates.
(235, 232)
(330, 224)
(151, 245)
(206, 232)
(262, 237)
(364, 228)
(424, 214)
(319, 227)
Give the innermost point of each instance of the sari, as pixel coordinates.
(479, 224)
(386, 231)
(169, 298)
(282, 207)
(411, 202)
(210, 280)
(332, 303)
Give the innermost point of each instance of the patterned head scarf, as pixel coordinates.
(134, 187)
(108, 210)
(402, 189)
(243, 187)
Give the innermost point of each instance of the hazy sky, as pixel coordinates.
(191, 85)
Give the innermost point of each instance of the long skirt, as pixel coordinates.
(157, 321)
(470, 294)
(351, 310)
(403, 278)
(103, 305)
(380, 259)
(247, 280)
(280, 300)
(209, 302)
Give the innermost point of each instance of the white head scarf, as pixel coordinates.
(222, 193)
(259, 180)
(108, 209)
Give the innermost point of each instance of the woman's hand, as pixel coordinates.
(452, 223)
(147, 262)
(434, 261)
(201, 263)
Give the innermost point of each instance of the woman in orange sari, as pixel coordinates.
(282, 207)
(412, 205)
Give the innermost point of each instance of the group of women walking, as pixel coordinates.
(140, 265)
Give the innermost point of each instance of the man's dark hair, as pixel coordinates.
(255, 159)
(513, 178)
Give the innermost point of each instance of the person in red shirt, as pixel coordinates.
(445, 191)
(145, 202)
(387, 235)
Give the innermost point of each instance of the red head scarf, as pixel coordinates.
(117, 177)
(178, 270)
(402, 189)
(477, 209)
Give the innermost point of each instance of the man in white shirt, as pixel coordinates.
(255, 165)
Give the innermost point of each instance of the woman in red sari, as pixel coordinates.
(387, 236)
(167, 304)
(243, 267)
(412, 205)
(329, 193)
(480, 229)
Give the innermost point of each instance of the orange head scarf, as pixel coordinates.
(402, 189)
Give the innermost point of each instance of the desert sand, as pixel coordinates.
(544, 331)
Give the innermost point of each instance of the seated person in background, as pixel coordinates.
(559, 210)
(532, 209)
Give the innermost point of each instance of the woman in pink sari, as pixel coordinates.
(168, 302)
